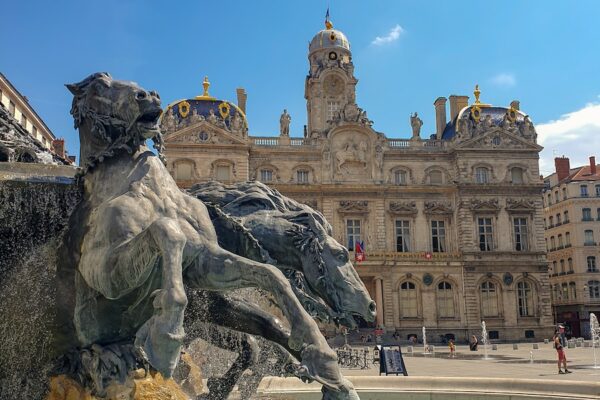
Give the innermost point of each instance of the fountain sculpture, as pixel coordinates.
(595, 334)
(139, 254)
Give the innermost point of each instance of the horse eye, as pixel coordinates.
(140, 95)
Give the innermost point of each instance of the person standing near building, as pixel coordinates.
(561, 354)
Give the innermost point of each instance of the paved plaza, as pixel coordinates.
(503, 363)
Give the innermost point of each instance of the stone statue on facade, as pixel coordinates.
(527, 130)
(284, 123)
(136, 245)
(195, 117)
(236, 123)
(416, 123)
(167, 122)
(212, 118)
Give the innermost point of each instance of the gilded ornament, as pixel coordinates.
(184, 109)
(224, 109)
(332, 36)
(511, 113)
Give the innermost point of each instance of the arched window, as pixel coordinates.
(566, 217)
(400, 177)
(489, 299)
(562, 266)
(594, 288)
(482, 175)
(572, 290)
(591, 264)
(445, 300)
(516, 175)
(525, 299)
(408, 300)
(435, 177)
(183, 171)
(558, 221)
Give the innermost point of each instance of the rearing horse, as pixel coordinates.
(136, 239)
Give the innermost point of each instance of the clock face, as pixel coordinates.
(333, 55)
(334, 85)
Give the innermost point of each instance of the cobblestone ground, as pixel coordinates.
(503, 363)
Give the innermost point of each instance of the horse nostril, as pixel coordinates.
(372, 307)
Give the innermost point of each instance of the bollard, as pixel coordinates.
(587, 344)
(494, 347)
(409, 349)
(578, 344)
(570, 345)
(515, 346)
(432, 348)
(536, 346)
(546, 341)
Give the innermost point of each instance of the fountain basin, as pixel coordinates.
(436, 388)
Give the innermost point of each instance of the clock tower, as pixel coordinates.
(330, 83)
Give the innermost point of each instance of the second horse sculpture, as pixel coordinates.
(136, 240)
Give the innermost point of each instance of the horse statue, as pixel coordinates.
(136, 241)
(254, 220)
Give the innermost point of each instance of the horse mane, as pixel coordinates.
(81, 112)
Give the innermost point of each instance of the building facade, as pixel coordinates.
(19, 108)
(572, 233)
(452, 224)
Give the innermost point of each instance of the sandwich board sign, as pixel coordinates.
(391, 361)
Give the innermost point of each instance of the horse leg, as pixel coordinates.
(218, 269)
(162, 335)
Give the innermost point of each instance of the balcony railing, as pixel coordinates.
(590, 244)
(266, 141)
(587, 219)
(413, 256)
(431, 144)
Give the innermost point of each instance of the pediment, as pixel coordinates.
(353, 207)
(204, 133)
(498, 138)
(520, 206)
(438, 207)
(488, 205)
(403, 208)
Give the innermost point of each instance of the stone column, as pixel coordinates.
(379, 301)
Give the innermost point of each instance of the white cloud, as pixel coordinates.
(504, 80)
(392, 36)
(575, 135)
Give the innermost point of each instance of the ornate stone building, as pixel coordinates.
(452, 224)
(572, 223)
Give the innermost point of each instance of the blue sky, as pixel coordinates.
(543, 53)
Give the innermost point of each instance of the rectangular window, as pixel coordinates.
(587, 214)
(567, 239)
(485, 234)
(223, 173)
(302, 176)
(481, 175)
(266, 175)
(23, 121)
(589, 237)
(566, 219)
(591, 264)
(597, 190)
(438, 236)
(520, 225)
(583, 190)
(352, 233)
(34, 131)
(332, 108)
(400, 178)
(402, 236)
(11, 108)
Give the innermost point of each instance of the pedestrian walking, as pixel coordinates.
(561, 354)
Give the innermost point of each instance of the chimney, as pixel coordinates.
(515, 104)
(457, 103)
(593, 165)
(440, 116)
(59, 147)
(563, 168)
(241, 99)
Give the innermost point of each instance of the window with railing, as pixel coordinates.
(562, 266)
(589, 237)
(438, 236)
(594, 289)
(558, 219)
(552, 243)
(521, 235)
(586, 214)
(560, 241)
(591, 264)
(486, 237)
(551, 221)
(402, 236)
(583, 191)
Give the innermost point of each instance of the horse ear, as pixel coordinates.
(73, 88)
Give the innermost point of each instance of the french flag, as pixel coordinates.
(359, 251)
